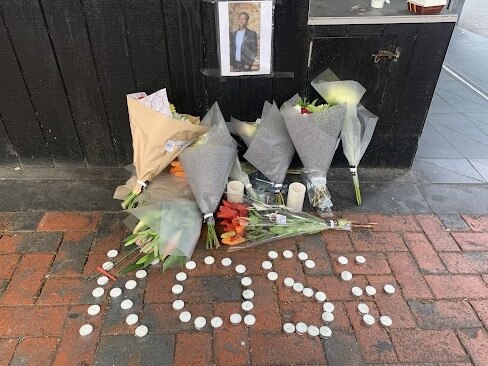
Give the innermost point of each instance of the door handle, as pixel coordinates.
(386, 54)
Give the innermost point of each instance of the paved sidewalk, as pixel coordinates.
(439, 312)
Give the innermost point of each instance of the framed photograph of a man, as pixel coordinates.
(245, 37)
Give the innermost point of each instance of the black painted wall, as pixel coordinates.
(66, 66)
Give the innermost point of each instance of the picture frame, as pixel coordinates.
(245, 37)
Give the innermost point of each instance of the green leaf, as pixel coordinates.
(142, 259)
(130, 239)
(129, 268)
(150, 258)
(173, 261)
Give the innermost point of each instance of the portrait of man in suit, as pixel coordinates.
(243, 45)
(245, 35)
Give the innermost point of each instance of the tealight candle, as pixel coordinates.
(248, 294)
(93, 310)
(342, 260)
(298, 287)
(131, 319)
(200, 322)
(307, 292)
(289, 282)
(370, 290)
(130, 285)
(346, 276)
(235, 191)
(325, 332)
(320, 296)
(185, 316)
(103, 280)
(267, 265)
(249, 319)
(178, 304)
(328, 307)
(181, 276)
(246, 281)
(272, 276)
(115, 292)
(313, 331)
(240, 268)
(235, 318)
(327, 317)
(247, 305)
(385, 321)
(190, 265)
(301, 328)
(97, 292)
(216, 322)
(287, 254)
(126, 304)
(209, 260)
(272, 254)
(368, 320)
(177, 289)
(363, 308)
(86, 329)
(389, 289)
(356, 291)
(141, 273)
(289, 328)
(296, 196)
(360, 260)
(141, 331)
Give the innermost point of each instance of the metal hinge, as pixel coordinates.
(386, 54)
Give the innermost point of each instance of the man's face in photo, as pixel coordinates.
(242, 21)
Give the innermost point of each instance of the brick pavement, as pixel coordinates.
(440, 311)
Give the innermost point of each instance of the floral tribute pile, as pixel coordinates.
(182, 166)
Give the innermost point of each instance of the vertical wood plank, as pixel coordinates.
(291, 44)
(18, 116)
(111, 53)
(225, 91)
(8, 155)
(25, 24)
(145, 28)
(71, 42)
(183, 24)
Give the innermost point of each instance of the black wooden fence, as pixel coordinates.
(66, 66)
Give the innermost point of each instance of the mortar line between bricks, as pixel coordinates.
(45, 278)
(456, 332)
(474, 310)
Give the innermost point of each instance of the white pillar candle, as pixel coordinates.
(378, 4)
(296, 195)
(235, 191)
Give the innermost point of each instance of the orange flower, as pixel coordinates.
(233, 221)
(176, 169)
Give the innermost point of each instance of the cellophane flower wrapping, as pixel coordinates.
(164, 186)
(271, 149)
(237, 173)
(174, 227)
(208, 162)
(157, 137)
(315, 137)
(356, 132)
(268, 223)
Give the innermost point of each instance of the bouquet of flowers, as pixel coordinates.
(359, 123)
(159, 134)
(167, 231)
(246, 225)
(270, 148)
(207, 164)
(314, 131)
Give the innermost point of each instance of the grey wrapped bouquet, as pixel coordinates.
(316, 137)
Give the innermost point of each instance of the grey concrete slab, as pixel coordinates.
(439, 105)
(480, 120)
(468, 102)
(461, 124)
(433, 145)
(481, 165)
(77, 195)
(469, 199)
(389, 198)
(18, 195)
(79, 173)
(450, 171)
(454, 222)
(466, 145)
(125, 350)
